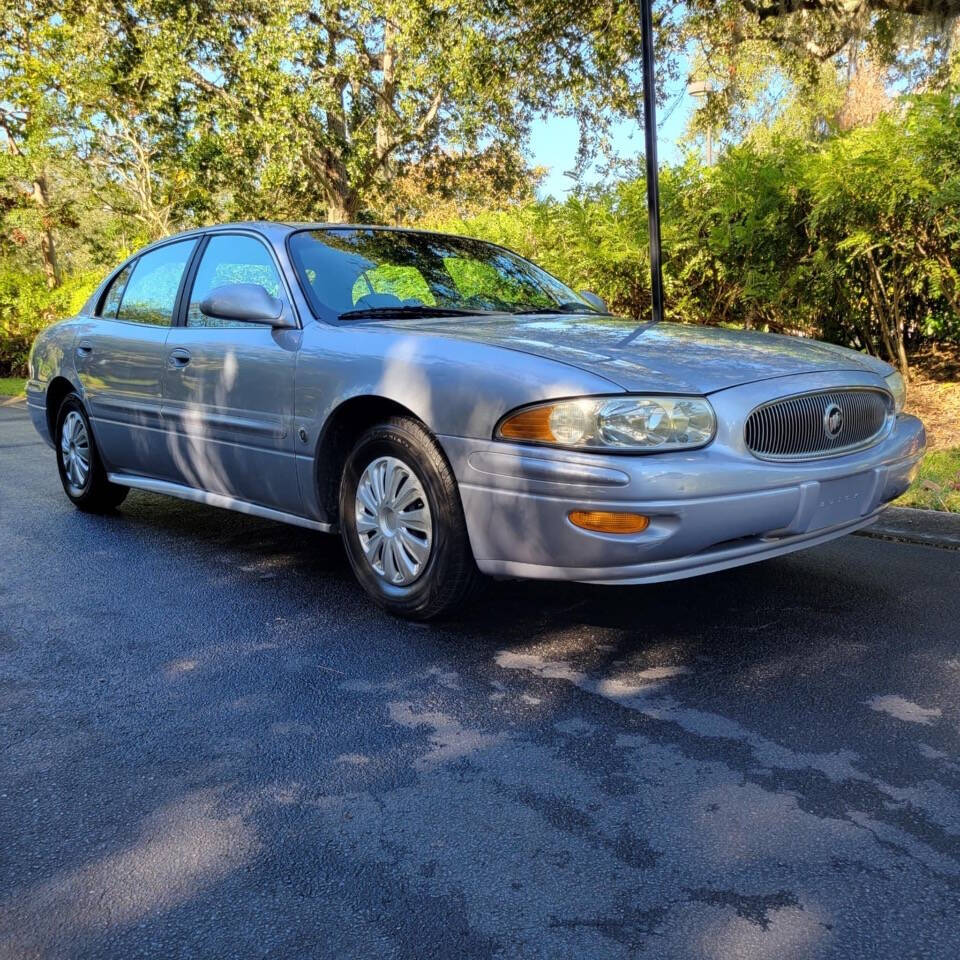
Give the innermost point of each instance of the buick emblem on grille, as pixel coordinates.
(832, 420)
(822, 423)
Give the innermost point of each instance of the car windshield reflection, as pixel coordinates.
(356, 272)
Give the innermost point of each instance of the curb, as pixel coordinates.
(13, 401)
(929, 528)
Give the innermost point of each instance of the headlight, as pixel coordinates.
(898, 388)
(615, 423)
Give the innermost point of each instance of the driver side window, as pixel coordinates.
(231, 258)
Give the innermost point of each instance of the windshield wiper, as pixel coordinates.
(569, 307)
(407, 310)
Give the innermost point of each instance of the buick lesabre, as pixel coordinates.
(453, 410)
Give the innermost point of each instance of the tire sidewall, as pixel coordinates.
(394, 441)
(76, 494)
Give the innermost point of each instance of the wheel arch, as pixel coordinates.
(340, 432)
(58, 390)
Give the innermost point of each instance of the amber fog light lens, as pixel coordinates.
(605, 521)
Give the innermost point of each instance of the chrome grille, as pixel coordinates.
(801, 427)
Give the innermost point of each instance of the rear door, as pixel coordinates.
(228, 386)
(120, 357)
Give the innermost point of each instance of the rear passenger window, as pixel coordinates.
(151, 292)
(111, 302)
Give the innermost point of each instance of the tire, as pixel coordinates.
(421, 567)
(86, 486)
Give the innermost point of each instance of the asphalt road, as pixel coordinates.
(212, 746)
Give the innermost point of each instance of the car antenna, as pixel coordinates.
(653, 172)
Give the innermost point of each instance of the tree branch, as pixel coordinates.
(848, 9)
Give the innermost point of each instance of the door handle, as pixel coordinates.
(178, 359)
(84, 349)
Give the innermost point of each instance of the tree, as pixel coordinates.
(34, 117)
(305, 109)
(813, 57)
(447, 185)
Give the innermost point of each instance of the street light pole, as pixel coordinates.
(653, 174)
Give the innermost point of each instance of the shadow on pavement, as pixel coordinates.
(217, 746)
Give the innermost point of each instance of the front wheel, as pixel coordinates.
(402, 522)
(81, 470)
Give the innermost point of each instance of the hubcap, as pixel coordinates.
(393, 521)
(75, 449)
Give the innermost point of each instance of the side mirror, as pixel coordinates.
(248, 302)
(594, 301)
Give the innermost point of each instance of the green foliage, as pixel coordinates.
(283, 109)
(400, 281)
(27, 306)
(809, 66)
(855, 239)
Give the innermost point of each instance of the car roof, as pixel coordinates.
(278, 229)
(273, 230)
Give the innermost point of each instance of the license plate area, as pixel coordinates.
(843, 500)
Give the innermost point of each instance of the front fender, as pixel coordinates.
(456, 388)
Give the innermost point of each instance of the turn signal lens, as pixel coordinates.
(529, 425)
(606, 521)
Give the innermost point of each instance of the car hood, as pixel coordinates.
(682, 358)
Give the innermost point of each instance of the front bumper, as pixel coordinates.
(710, 509)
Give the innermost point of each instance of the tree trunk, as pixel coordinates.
(48, 246)
(863, 331)
(388, 94)
(341, 204)
(888, 316)
(898, 329)
(334, 179)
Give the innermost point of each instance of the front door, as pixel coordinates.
(228, 386)
(120, 357)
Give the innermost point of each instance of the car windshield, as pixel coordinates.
(353, 273)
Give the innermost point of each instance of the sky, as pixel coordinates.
(554, 140)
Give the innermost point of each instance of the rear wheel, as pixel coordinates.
(402, 522)
(81, 470)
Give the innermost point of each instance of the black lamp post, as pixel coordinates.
(653, 175)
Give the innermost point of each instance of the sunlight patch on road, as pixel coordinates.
(449, 739)
(177, 668)
(903, 709)
(841, 766)
(645, 692)
(183, 847)
(790, 932)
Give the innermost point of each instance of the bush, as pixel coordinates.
(27, 306)
(854, 239)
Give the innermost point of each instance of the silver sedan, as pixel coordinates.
(452, 409)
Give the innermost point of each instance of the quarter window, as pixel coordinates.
(231, 258)
(151, 292)
(111, 302)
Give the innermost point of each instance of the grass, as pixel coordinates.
(937, 486)
(11, 386)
